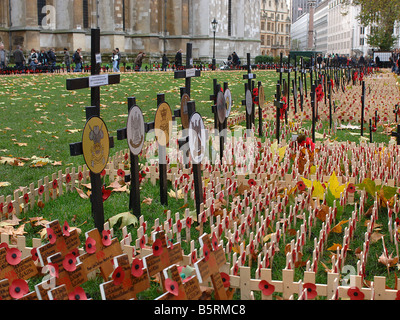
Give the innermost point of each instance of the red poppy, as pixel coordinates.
(105, 193)
(66, 229)
(235, 269)
(51, 235)
(397, 295)
(26, 198)
(179, 226)
(118, 276)
(225, 279)
(172, 287)
(103, 173)
(142, 242)
(106, 239)
(193, 257)
(68, 178)
(121, 173)
(157, 248)
(69, 262)
(18, 289)
(255, 96)
(266, 288)
(137, 268)
(188, 222)
(311, 290)
(351, 188)
(355, 294)
(34, 254)
(55, 184)
(252, 182)
(126, 156)
(319, 93)
(284, 107)
(206, 252)
(41, 190)
(10, 207)
(90, 245)
(77, 294)
(75, 252)
(214, 241)
(80, 176)
(310, 144)
(13, 256)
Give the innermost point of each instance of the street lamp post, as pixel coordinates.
(214, 24)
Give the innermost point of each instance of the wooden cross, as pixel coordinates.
(163, 255)
(303, 75)
(248, 102)
(11, 268)
(370, 130)
(330, 102)
(100, 255)
(313, 111)
(130, 285)
(209, 266)
(61, 244)
(138, 129)
(71, 279)
(5, 293)
(95, 81)
(187, 290)
(261, 101)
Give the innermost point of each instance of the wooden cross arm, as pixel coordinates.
(82, 83)
(249, 76)
(76, 149)
(181, 74)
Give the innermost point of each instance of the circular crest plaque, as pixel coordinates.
(197, 138)
(163, 123)
(249, 102)
(221, 107)
(135, 130)
(184, 111)
(228, 100)
(95, 144)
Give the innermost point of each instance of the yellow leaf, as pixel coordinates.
(319, 190)
(335, 247)
(334, 186)
(282, 153)
(5, 184)
(313, 169)
(338, 227)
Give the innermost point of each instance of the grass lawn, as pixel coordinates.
(41, 118)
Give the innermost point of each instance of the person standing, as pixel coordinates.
(178, 59)
(114, 60)
(19, 58)
(77, 59)
(2, 56)
(52, 59)
(119, 56)
(164, 63)
(139, 61)
(67, 60)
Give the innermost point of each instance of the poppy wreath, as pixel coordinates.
(255, 96)
(319, 92)
(284, 107)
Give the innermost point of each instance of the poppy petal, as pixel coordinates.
(18, 288)
(118, 276)
(13, 256)
(157, 248)
(172, 287)
(69, 262)
(266, 288)
(137, 268)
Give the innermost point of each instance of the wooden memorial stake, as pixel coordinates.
(248, 102)
(129, 280)
(313, 111)
(162, 126)
(134, 133)
(288, 70)
(100, 251)
(330, 102)
(362, 108)
(209, 266)
(370, 130)
(12, 267)
(261, 102)
(304, 76)
(301, 93)
(95, 81)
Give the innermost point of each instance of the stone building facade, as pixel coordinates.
(275, 27)
(152, 26)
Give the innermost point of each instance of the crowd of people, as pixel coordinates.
(395, 61)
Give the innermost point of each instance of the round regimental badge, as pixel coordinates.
(228, 101)
(96, 144)
(135, 130)
(197, 138)
(163, 123)
(249, 102)
(221, 107)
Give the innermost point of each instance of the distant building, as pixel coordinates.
(300, 7)
(275, 27)
(155, 26)
(299, 33)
